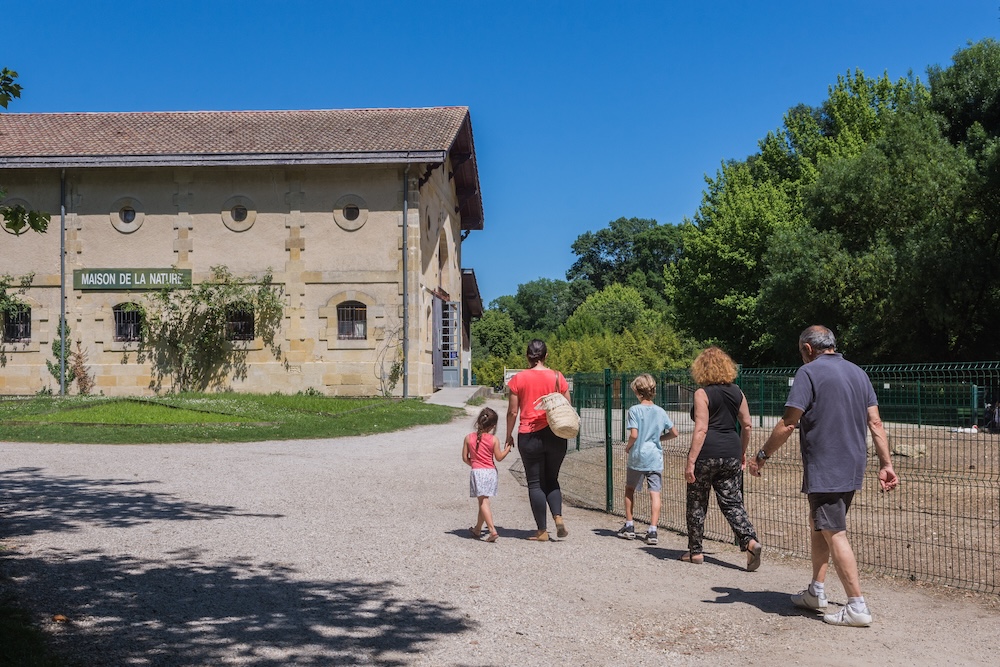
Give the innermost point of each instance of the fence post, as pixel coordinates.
(920, 401)
(621, 389)
(975, 404)
(609, 478)
(577, 404)
(760, 393)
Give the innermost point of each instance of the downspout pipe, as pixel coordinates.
(62, 283)
(406, 294)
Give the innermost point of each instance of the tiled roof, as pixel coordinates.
(200, 138)
(215, 133)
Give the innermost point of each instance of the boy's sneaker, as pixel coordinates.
(807, 600)
(627, 532)
(847, 616)
(650, 537)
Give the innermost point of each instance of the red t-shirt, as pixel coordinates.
(530, 385)
(482, 456)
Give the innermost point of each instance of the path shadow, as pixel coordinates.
(32, 501)
(769, 602)
(182, 611)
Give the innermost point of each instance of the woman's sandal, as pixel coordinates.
(475, 535)
(696, 559)
(493, 537)
(540, 536)
(753, 557)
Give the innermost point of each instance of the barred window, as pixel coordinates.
(128, 323)
(17, 324)
(239, 323)
(352, 321)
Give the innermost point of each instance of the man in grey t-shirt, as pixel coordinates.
(833, 403)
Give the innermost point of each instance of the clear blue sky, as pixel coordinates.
(582, 112)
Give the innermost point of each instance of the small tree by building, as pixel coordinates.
(189, 337)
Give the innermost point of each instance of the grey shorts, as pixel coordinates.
(829, 510)
(654, 479)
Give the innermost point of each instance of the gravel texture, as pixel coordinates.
(355, 551)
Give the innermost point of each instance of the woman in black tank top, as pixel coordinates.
(718, 455)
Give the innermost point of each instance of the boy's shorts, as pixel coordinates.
(654, 479)
(829, 510)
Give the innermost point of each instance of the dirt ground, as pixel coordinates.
(356, 551)
(942, 524)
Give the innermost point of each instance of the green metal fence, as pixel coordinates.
(941, 525)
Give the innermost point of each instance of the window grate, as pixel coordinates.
(239, 323)
(128, 323)
(17, 325)
(352, 321)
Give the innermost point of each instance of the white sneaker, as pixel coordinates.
(847, 616)
(807, 600)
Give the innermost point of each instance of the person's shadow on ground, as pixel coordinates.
(675, 554)
(769, 602)
(508, 533)
(664, 553)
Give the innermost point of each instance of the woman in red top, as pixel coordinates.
(542, 451)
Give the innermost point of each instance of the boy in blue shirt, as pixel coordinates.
(648, 427)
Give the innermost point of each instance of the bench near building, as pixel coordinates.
(319, 198)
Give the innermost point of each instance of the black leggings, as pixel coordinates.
(542, 453)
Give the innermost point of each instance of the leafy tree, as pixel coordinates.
(495, 334)
(185, 332)
(16, 218)
(640, 348)
(613, 309)
(715, 284)
(540, 305)
(55, 367)
(967, 93)
(629, 251)
(8, 88)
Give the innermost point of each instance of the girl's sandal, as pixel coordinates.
(475, 535)
(696, 559)
(493, 537)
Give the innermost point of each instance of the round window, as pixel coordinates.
(350, 212)
(126, 215)
(238, 213)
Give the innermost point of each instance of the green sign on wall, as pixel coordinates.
(109, 280)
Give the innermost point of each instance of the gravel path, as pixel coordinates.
(355, 551)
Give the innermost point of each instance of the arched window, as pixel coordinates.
(239, 322)
(17, 324)
(352, 321)
(128, 322)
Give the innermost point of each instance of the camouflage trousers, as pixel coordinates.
(726, 477)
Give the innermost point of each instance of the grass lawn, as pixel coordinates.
(207, 418)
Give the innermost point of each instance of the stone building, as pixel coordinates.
(319, 198)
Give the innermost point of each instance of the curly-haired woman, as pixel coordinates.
(718, 454)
